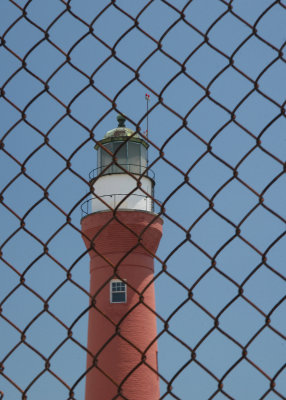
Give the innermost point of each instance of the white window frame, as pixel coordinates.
(111, 292)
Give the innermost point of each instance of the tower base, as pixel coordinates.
(122, 358)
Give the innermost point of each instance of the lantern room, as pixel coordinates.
(130, 154)
(121, 179)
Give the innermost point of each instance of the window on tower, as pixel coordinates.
(118, 291)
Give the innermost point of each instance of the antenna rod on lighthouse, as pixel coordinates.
(147, 98)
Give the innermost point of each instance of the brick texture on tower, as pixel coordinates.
(122, 336)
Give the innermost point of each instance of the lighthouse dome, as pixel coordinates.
(121, 130)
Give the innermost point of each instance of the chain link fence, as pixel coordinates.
(215, 72)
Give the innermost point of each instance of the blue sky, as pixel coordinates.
(61, 166)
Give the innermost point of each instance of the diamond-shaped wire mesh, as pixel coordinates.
(215, 71)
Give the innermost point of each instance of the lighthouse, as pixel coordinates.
(122, 233)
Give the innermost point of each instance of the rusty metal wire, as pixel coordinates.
(239, 192)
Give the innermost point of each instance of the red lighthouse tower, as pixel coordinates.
(122, 234)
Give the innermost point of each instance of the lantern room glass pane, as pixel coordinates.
(106, 158)
(134, 157)
(121, 155)
(143, 157)
(99, 160)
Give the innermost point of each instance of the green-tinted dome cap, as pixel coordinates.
(121, 133)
